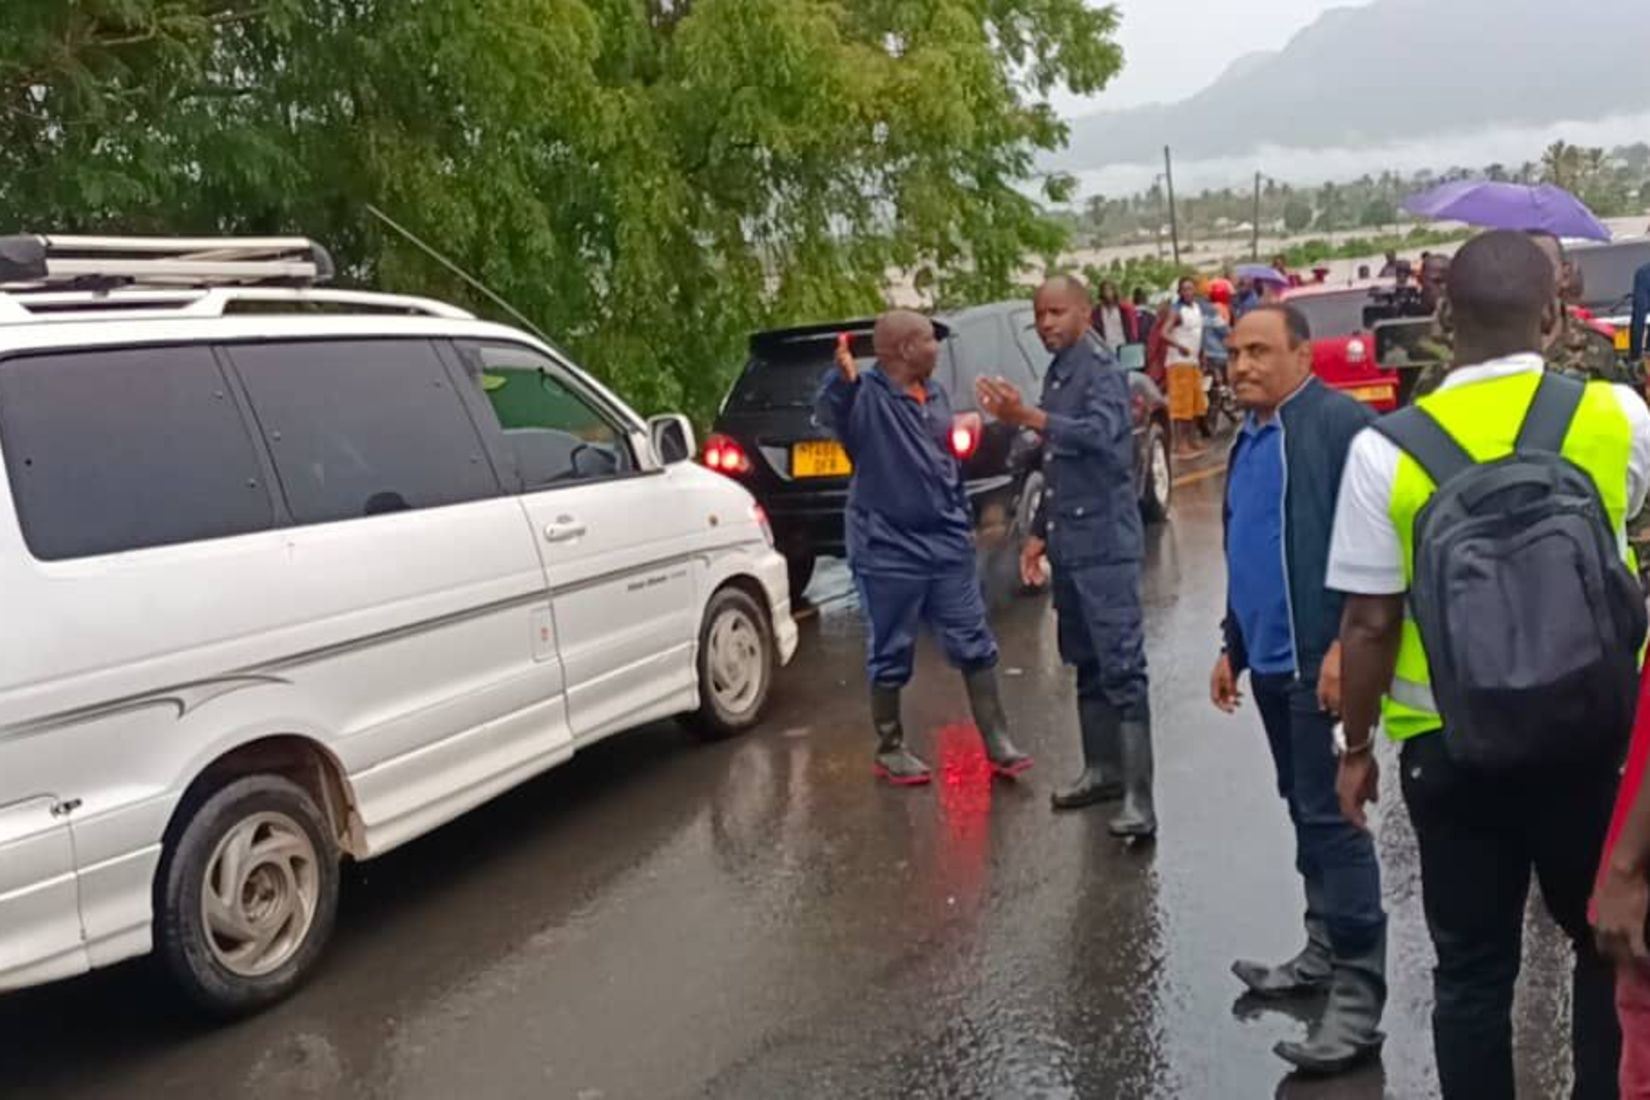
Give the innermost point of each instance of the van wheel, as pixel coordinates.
(1031, 498)
(736, 662)
(1155, 493)
(248, 894)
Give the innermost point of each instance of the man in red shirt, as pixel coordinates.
(1621, 907)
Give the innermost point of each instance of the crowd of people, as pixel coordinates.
(1456, 575)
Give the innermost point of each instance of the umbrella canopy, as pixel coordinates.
(1538, 209)
(1261, 273)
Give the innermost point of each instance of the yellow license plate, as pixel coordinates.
(1371, 393)
(1624, 340)
(820, 458)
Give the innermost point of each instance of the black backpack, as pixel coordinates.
(1530, 618)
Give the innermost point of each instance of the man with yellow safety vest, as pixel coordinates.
(1492, 626)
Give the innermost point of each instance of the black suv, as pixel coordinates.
(766, 437)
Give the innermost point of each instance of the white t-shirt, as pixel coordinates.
(1366, 557)
(1111, 326)
(1188, 334)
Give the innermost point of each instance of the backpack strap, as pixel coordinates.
(1552, 410)
(1419, 435)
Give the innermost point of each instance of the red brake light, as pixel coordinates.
(965, 434)
(725, 456)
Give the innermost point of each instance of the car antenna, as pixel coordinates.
(496, 298)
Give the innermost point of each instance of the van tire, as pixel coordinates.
(1157, 484)
(799, 571)
(732, 697)
(263, 810)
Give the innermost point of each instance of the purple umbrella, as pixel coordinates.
(1260, 273)
(1543, 208)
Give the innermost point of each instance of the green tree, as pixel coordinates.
(1378, 213)
(649, 180)
(1297, 215)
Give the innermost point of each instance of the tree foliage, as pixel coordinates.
(649, 180)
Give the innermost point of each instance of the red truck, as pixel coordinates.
(1343, 345)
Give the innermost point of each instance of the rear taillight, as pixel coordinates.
(724, 455)
(760, 515)
(965, 434)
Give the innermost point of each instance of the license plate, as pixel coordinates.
(820, 458)
(1624, 340)
(1371, 393)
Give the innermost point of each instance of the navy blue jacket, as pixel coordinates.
(908, 512)
(1089, 513)
(1641, 315)
(1318, 427)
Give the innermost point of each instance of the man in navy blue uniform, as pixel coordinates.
(911, 536)
(1089, 527)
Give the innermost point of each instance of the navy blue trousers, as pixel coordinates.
(1103, 634)
(1330, 851)
(952, 606)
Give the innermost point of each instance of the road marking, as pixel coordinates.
(1199, 475)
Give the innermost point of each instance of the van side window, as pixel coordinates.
(127, 448)
(1023, 323)
(362, 427)
(556, 434)
(982, 352)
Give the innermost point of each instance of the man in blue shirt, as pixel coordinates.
(1089, 525)
(911, 536)
(1282, 484)
(1641, 317)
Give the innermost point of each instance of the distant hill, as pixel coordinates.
(1398, 69)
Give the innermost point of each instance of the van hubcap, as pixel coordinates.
(259, 897)
(736, 666)
(1160, 474)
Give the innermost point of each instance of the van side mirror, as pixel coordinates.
(672, 438)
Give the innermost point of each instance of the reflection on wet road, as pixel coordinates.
(760, 919)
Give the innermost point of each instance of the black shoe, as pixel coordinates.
(1306, 974)
(1138, 818)
(1348, 1033)
(1101, 779)
(894, 762)
(989, 716)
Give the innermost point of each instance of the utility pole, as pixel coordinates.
(1174, 223)
(1254, 243)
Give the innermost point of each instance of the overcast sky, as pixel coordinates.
(1175, 48)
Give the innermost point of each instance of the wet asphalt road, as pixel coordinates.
(760, 919)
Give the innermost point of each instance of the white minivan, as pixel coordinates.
(293, 574)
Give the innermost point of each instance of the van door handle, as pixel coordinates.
(565, 529)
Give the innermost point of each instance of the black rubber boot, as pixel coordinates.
(1306, 974)
(1102, 776)
(1349, 1031)
(1138, 817)
(987, 704)
(894, 763)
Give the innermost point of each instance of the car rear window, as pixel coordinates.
(786, 377)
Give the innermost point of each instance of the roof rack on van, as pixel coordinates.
(35, 263)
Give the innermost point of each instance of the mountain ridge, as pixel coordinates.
(1395, 70)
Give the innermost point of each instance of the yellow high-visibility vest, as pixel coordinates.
(1484, 417)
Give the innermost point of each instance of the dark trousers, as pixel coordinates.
(1103, 634)
(1335, 858)
(1480, 834)
(951, 604)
